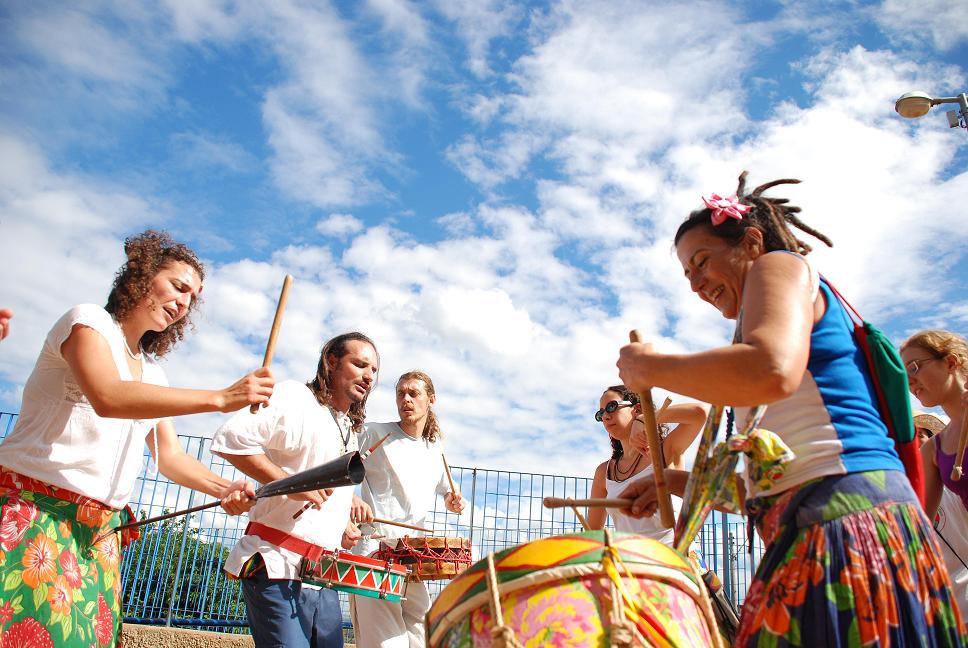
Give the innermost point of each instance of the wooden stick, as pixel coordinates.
(581, 518)
(401, 524)
(276, 325)
(449, 478)
(666, 514)
(593, 502)
(962, 444)
(376, 445)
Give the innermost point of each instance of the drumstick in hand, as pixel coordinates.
(962, 444)
(666, 514)
(276, 325)
(401, 524)
(592, 502)
(449, 478)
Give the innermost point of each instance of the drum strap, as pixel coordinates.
(285, 541)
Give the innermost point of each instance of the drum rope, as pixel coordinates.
(626, 620)
(502, 636)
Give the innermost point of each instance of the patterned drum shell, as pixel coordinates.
(429, 558)
(559, 591)
(346, 572)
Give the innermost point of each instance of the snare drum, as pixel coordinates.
(346, 572)
(578, 590)
(431, 558)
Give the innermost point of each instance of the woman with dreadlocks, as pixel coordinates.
(850, 557)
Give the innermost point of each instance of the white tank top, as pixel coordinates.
(649, 526)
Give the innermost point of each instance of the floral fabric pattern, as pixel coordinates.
(851, 561)
(57, 587)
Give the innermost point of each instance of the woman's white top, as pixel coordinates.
(647, 526)
(59, 438)
(952, 526)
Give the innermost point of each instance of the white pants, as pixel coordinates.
(382, 624)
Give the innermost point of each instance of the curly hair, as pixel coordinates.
(148, 253)
(431, 431)
(771, 216)
(628, 395)
(940, 343)
(321, 385)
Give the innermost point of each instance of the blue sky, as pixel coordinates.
(487, 188)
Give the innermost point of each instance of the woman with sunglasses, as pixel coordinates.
(619, 414)
(850, 557)
(937, 367)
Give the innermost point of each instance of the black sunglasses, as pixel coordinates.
(611, 406)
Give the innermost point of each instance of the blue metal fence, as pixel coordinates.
(173, 576)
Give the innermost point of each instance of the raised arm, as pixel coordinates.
(688, 419)
(777, 315)
(89, 357)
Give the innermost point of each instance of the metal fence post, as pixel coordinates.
(473, 501)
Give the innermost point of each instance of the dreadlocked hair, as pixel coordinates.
(321, 385)
(772, 216)
(148, 254)
(431, 431)
(628, 395)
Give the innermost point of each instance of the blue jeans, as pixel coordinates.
(283, 614)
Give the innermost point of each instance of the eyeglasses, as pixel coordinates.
(610, 407)
(914, 366)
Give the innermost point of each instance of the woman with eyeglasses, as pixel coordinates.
(619, 414)
(937, 367)
(850, 557)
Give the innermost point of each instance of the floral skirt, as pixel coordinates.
(851, 560)
(57, 587)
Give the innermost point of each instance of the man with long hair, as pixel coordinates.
(403, 476)
(303, 426)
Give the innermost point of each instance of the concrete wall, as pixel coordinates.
(145, 636)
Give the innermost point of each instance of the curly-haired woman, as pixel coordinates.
(69, 466)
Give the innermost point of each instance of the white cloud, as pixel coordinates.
(910, 21)
(339, 225)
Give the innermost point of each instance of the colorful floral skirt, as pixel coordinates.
(57, 587)
(851, 560)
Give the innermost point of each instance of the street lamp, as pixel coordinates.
(917, 104)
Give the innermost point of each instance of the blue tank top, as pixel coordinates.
(831, 422)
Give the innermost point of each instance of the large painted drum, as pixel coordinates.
(595, 588)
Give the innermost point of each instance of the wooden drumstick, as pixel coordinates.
(401, 524)
(962, 444)
(593, 502)
(581, 518)
(274, 332)
(449, 478)
(666, 515)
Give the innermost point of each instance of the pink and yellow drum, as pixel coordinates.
(430, 558)
(586, 589)
(346, 572)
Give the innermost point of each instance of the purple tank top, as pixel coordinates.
(945, 463)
